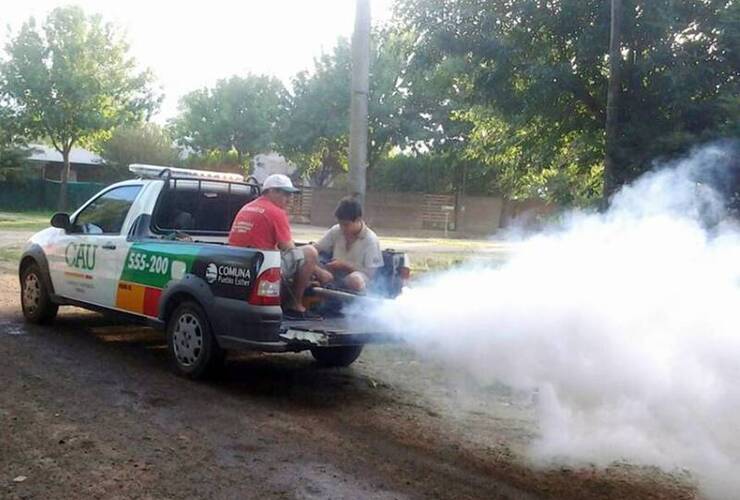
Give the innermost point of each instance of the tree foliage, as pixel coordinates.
(424, 173)
(238, 114)
(71, 80)
(533, 77)
(139, 143)
(315, 133)
(501, 97)
(392, 122)
(13, 150)
(215, 160)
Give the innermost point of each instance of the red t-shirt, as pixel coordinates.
(260, 224)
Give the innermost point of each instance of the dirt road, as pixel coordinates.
(88, 409)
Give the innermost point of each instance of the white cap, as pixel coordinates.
(281, 182)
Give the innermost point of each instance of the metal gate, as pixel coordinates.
(439, 211)
(299, 208)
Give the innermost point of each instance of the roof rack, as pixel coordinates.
(160, 172)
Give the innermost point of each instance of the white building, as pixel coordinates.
(84, 165)
(265, 164)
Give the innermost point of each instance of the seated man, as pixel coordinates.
(263, 224)
(354, 248)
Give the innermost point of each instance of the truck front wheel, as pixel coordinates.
(35, 300)
(191, 344)
(336, 356)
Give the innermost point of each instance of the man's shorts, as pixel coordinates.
(290, 262)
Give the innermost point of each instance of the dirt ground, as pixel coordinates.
(89, 409)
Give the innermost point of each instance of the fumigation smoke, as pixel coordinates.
(627, 323)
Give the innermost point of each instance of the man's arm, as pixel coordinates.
(283, 234)
(373, 259)
(326, 243)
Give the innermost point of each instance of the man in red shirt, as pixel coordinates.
(263, 224)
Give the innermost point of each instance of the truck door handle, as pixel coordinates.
(109, 246)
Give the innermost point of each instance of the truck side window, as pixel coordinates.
(105, 215)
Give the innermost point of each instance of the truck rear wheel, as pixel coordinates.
(35, 299)
(337, 356)
(192, 347)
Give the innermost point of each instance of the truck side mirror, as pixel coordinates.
(60, 220)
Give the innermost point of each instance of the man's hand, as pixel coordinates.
(340, 266)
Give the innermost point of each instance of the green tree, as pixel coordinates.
(392, 122)
(238, 114)
(139, 143)
(13, 150)
(214, 160)
(417, 105)
(315, 133)
(518, 164)
(71, 80)
(534, 75)
(425, 173)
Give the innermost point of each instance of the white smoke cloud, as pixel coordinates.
(627, 323)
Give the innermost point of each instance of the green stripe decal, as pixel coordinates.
(156, 264)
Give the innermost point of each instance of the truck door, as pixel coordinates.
(87, 261)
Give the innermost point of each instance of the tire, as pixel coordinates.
(36, 302)
(336, 356)
(193, 350)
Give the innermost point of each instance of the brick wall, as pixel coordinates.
(480, 215)
(528, 214)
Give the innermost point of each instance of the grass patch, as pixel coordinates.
(10, 254)
(20, 221)
(424, 262)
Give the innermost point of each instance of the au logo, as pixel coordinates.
(81, 256)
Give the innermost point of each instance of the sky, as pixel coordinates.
(189, 44)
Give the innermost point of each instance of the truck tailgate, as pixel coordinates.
(332, 332)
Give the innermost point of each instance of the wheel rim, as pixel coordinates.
(31, 293)
(187, 339)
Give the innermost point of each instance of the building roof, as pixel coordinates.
(79, 156)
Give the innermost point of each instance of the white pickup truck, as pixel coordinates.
(153, 249)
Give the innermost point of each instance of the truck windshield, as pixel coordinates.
(200, 207)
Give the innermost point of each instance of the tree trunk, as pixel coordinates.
(358, 130)
(65, 177)
(460, 177)
(611, 158)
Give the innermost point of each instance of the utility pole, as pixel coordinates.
(612, 103)
(358, 127)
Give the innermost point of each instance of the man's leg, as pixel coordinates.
(355, 281)
(303, 276)
(323, 276)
